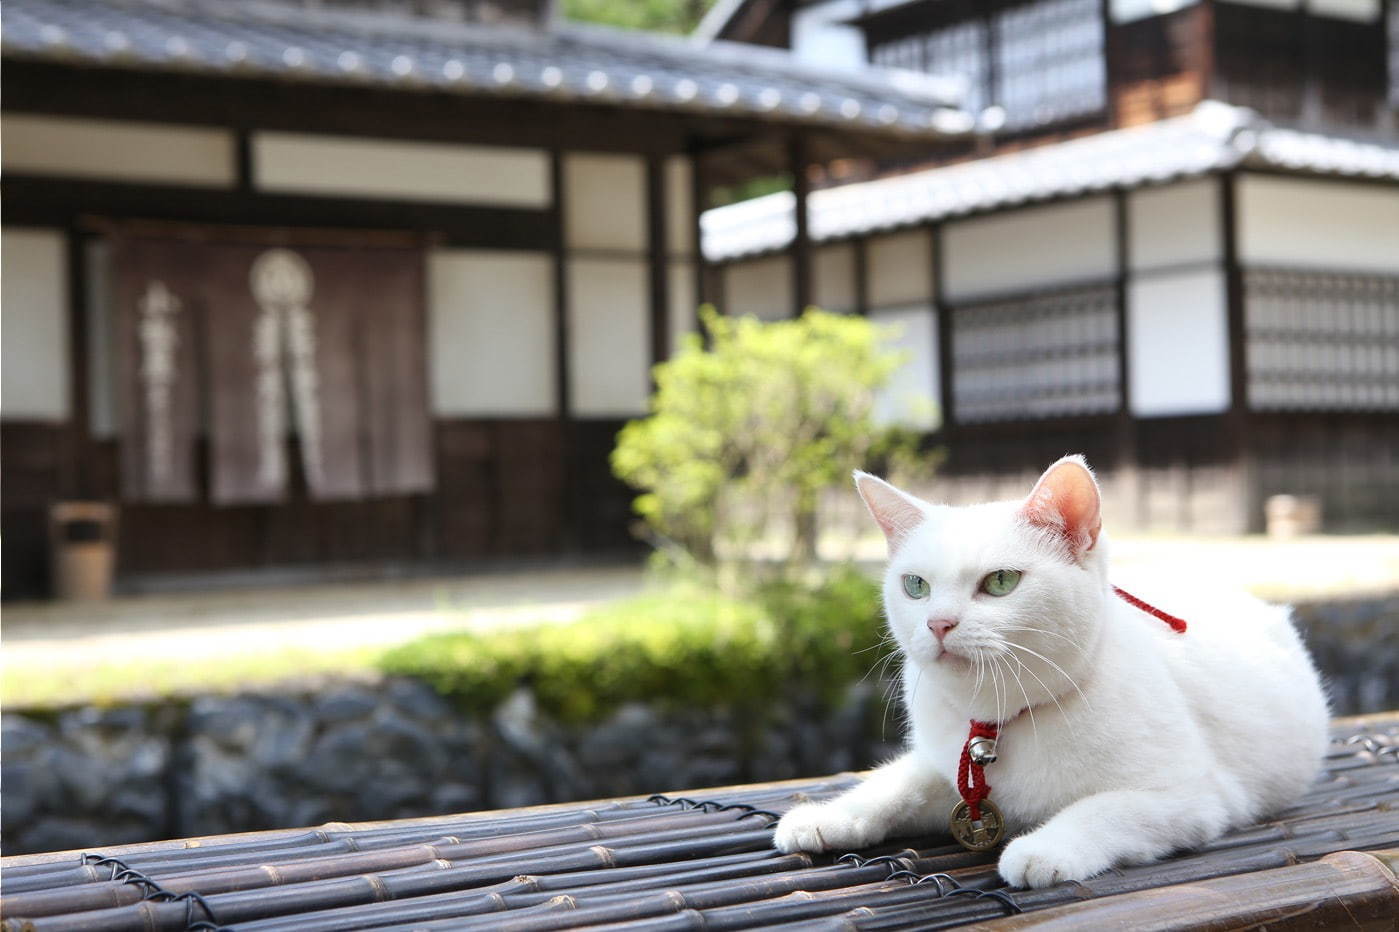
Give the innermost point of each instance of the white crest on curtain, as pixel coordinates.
(282, 285)
(159, 342)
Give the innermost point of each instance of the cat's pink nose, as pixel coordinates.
(940, 627)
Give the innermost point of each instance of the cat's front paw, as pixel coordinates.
(825, 827)
(1042, 860)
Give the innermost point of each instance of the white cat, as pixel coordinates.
(1120, 740)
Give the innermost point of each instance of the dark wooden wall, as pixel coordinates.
(506, 488)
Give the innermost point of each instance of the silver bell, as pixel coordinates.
(982, 751)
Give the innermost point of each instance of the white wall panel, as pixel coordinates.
(491, 333)
(1318, 224)
(900, 268)
(680, 220)
(609, 351)
(823, 36)
(382, 168)
(682, 304)
(910, 397)
(760, 287)
(34, 325)
(118, 149)
(833, 277)
(1029, 248)
(1174, 225)
(605, 202)
(1178, 341)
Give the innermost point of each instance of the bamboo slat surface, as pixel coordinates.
(705, 861)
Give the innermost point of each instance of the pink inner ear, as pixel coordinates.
(1066, 500)
(895, 513)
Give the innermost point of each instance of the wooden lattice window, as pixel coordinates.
(1042, 61)
(1038, 356)
(1322, 340)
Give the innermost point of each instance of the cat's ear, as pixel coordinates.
(896, 512)
(1066, 501)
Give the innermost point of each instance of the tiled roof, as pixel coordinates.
(1213, 137)
(569, 61)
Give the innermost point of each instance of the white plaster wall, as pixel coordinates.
(1318, 224)
(605, 202)
(760, 287)
(609, 349)
(118, 149)
(910, 397)
(682, 304)
(1029, 248)
(34, 325)
(491, 333)
(900, 268)
(833, 277)
(382, 168)
(1174, 225)
(822, 35)
(680, 220)
(1178, 343)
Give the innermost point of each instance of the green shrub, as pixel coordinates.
(745, 435)
(679, 647)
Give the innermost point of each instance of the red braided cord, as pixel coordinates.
(971, 778)
(1177, 624)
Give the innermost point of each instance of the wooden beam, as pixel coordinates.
(1238, 418)
(59, 201)
(801, 242)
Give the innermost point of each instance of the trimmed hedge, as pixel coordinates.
(678, 647)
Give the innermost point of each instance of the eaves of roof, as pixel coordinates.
(255, 38)
(1213, 137)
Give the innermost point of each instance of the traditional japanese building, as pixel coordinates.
(1172, 244)
(333, 284)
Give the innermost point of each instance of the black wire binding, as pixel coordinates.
(947, 884)
(710, 805)
(153, 891)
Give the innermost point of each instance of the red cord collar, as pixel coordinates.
(971, 776)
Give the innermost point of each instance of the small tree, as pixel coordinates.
(754, 427)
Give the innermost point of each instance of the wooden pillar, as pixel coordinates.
(699, 199)
(861, 274)
(944, 332)
(801, 241)
(75, 480)
(568, 441)
(1237, 421)
(1128, 479)
(658, 255)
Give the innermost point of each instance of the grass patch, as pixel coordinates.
(681, 645)
(156, 678)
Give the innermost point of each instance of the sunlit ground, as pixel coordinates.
(158, 644)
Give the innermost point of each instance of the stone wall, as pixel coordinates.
(89, 777)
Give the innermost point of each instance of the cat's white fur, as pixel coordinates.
(1137, 740)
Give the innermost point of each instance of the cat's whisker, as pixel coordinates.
(1053, 698)
(1015, 646)
(1054, 634)
(1029, 706)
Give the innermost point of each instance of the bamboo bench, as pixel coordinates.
(705, 861)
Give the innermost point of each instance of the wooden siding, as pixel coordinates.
(506, 488)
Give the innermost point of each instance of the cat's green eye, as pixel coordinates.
(1000, 582)
(915, 587)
